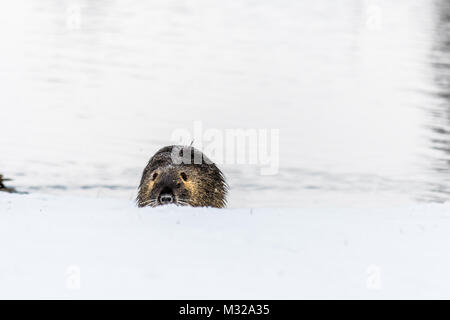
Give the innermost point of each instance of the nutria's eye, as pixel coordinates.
(183, 176)
(178, 185)
(154, 176)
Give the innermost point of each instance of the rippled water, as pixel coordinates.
(360, 91)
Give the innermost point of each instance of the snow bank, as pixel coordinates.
(67, 247)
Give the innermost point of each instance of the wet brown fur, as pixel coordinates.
(204, 186)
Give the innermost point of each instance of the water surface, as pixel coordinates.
(360, 91)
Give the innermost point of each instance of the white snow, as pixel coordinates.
(69, 247)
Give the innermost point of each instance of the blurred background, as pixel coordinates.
(360, 91)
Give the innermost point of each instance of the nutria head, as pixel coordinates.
(183, 176)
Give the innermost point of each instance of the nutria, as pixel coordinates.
(2, 186)
(184, 176)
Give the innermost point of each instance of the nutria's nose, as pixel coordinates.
(166, 196)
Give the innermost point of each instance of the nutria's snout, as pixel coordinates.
(183, 176)
(166, 196)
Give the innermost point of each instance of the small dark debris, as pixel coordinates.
(3, 188)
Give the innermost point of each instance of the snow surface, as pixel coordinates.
(120, 251)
